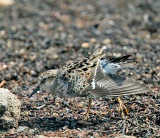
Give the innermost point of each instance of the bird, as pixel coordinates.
(92, 77)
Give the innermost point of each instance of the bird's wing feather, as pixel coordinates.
(113, 65)
(115, 85)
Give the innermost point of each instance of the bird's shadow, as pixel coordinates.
(52, 123)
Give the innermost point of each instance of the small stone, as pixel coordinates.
(31, 131)
(93, 40)
(39, 136)
(125, 136)
(4, 66)
(85, 45)
(55, 56)
(50, 52)
(106, 41)
(21, 129)
(6, 2)
(147, 46)
(11, 131)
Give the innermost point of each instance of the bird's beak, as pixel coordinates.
(35, 90)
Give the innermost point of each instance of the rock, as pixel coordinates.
(9, 109)
(21, 129)
(11, 131)
(6, 2)
(41, 136)
(85, 45)
(107, 41)
(125, 136)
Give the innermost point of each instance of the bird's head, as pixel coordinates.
(46, 80)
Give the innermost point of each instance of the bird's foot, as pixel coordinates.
(86, 117)
(122, 107)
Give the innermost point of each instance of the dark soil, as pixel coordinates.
(37, 35)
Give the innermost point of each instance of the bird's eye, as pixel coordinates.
(44, 80)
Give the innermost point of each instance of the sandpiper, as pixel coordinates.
(92, 77)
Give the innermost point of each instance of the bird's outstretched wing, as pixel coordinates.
(108, 83)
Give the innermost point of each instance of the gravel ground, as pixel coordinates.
(45, 34)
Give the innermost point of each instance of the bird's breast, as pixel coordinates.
(60, 87)
(70, 88)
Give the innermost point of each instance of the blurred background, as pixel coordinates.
(37, 35)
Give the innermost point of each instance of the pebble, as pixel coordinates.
(21, 129)
(107, 41)
(85, 45)
(6, 2)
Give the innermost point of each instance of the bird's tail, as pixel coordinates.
(124, 61)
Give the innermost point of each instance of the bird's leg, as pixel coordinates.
(89, 106)
(121, 107)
